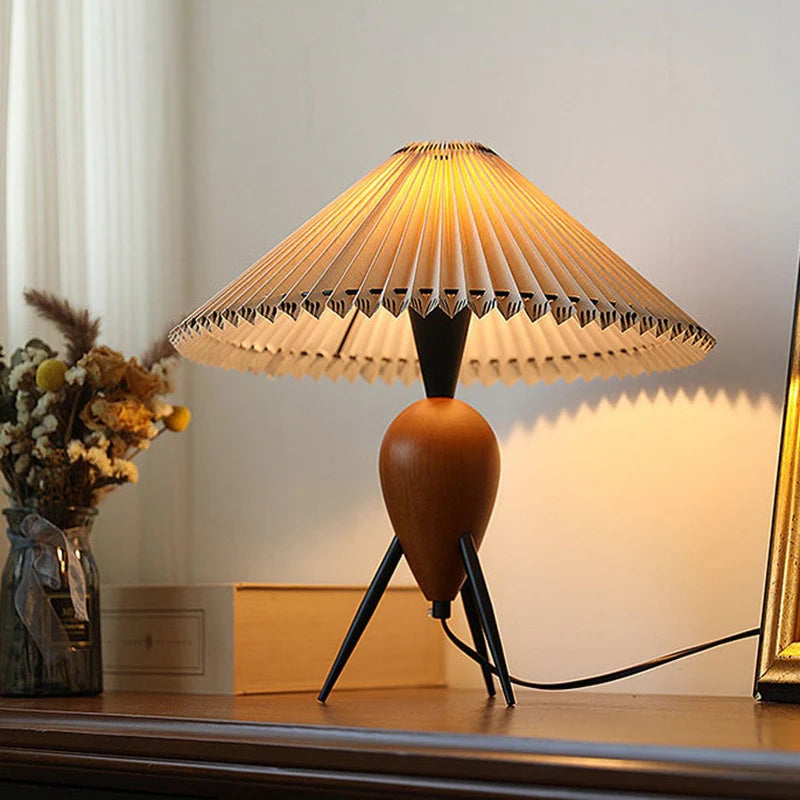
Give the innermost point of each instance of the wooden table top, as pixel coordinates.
(657, 720)
(720, 747)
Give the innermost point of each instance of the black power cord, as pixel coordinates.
(608, 677)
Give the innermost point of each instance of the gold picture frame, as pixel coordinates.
(778, 670)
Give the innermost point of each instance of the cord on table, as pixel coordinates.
(607, 677)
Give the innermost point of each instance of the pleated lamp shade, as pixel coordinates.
(444, 225)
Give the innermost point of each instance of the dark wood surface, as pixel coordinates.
(403, 743)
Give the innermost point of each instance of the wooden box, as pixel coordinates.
(252, 638)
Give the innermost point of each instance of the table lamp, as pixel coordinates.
(444, 263)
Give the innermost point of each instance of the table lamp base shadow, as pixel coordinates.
(439, 467)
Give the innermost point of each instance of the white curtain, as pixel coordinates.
(91, 206)
(5, 53)
(94, 157)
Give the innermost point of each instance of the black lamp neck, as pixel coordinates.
(440, 341)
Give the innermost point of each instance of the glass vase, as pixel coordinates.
(25, 669)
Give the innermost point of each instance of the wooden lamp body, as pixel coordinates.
(439, 467)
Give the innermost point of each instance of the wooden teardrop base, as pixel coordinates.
(439, 470)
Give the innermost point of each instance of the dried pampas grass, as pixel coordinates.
(78, 328)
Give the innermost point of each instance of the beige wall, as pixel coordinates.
(633, 515)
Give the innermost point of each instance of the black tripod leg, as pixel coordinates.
(486, 612)
(474, 620)
(363, 615)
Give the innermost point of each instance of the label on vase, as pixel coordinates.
(78, 632)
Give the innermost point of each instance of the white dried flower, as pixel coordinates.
(126, 470)
(42, 448)
(9, 433)
(75, 376)
(24, 403)
(96, 439)
(161, 410)
(36, 354)
(18, 374)
(44, 404)
(165, 365)
(47, 425)
(96, 456)
(164, 369)
(75, 450)
(99, 459)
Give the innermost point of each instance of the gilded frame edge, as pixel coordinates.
(777, 676)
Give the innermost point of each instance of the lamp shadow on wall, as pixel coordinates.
(748, 364)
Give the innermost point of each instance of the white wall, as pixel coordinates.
(633, 515)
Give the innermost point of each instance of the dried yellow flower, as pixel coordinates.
(50, 375)
(179, 419)
(121, 414)
(141, 381)
(104, 367)
(107, 369)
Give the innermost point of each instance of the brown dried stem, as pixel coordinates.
(158, 350)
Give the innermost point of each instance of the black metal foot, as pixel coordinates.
(474, 620)
(363, 615)
(486, 614)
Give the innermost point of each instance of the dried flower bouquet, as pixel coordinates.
(70, 427)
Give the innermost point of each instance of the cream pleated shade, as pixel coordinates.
(442, 225)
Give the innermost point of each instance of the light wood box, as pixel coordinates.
(247, 638)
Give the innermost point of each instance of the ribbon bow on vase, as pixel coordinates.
(45, 547)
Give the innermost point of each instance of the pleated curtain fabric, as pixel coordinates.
(447, 225)
(92, 198)
(5, 62)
